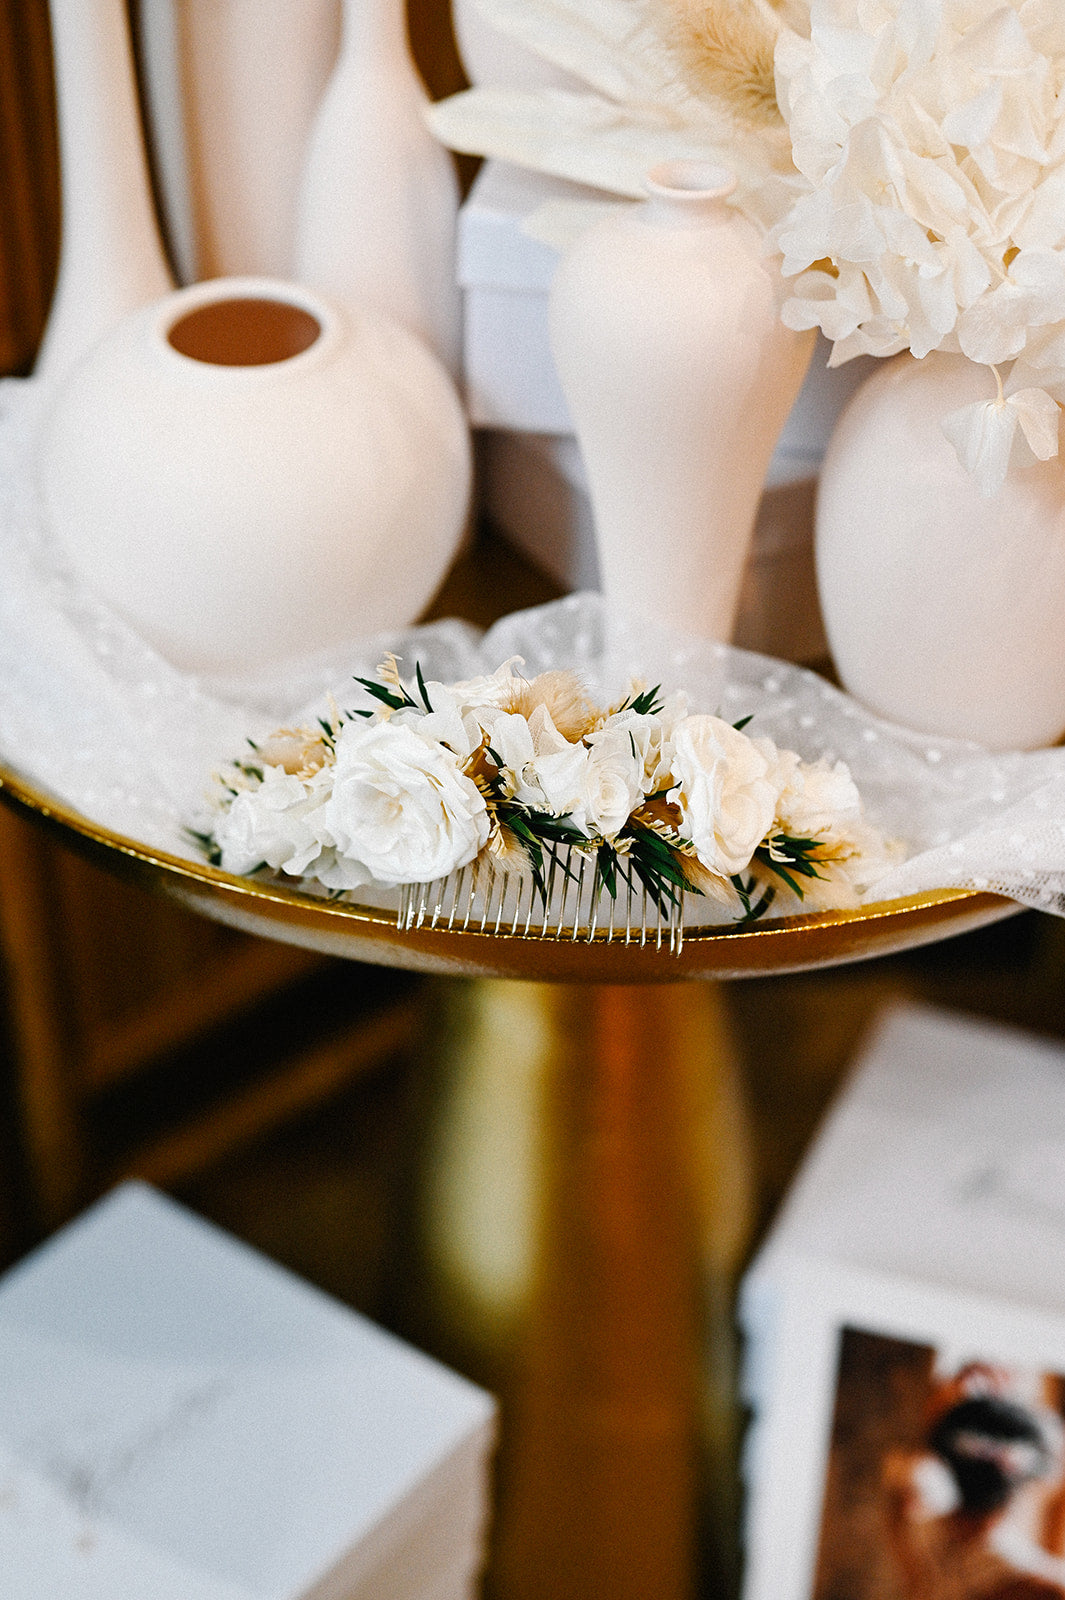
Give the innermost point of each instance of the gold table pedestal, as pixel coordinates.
(601, 1495)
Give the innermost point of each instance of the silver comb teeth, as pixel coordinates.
(574, 906)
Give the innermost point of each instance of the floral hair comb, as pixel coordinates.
(517, 805)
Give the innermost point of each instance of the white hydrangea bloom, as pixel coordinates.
(985, 433)
(814, 798)
(276, 823)
(651, 735)
(820, 800)
(931, 138)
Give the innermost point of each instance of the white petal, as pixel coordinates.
(604, 42)
(583, 137)
(982, 434)
(1038, 416)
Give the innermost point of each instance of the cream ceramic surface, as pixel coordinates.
(232, 89)
(944, 610)
(378, 201)
(679, 377)
(241, 515)
(111, 259)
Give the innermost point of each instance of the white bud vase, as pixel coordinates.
(679, 376)
(233, 87)
(111, 258)
(944, 610)
(378, 203)
(250, 475)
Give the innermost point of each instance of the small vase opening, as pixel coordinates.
(244, 331)
(689, 180)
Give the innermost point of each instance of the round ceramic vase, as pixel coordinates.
(250, 474)
(679, 377)
(377, 206)
(944, 609)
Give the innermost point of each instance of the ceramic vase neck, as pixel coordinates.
(112, 259)
(375, 27)
(689, 193)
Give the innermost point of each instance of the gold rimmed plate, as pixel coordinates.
(368, 933)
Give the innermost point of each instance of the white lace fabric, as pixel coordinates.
(92, 714)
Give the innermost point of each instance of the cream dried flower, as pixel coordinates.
(726, 50)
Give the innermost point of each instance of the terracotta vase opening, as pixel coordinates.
(244, 331)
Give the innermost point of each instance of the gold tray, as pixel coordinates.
(364, 933)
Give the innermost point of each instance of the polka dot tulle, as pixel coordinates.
(91, 713)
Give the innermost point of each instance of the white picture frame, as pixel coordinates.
(815, 1301)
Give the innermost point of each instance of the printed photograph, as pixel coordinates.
(945, 1479)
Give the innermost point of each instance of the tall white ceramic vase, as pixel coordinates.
(944, 610)
(233, 87)
(378, 203)
(111, 259)
(679, 376)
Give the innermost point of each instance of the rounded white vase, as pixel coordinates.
(679, 377)
(111, 258)
(944, 609)
(377, 208)
(250, 474)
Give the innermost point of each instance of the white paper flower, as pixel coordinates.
(628, 110)
(401, 808)
(726, 790)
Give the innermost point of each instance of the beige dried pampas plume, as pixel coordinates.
(725, 51)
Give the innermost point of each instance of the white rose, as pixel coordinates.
(276, 823)
(651, 734)
(725, 790)
(401, 806)
(613, 779)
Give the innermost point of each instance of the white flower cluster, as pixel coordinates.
(915, 189)
(931, 135)
(419, 789)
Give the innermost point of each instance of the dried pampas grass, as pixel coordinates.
(725, 51)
